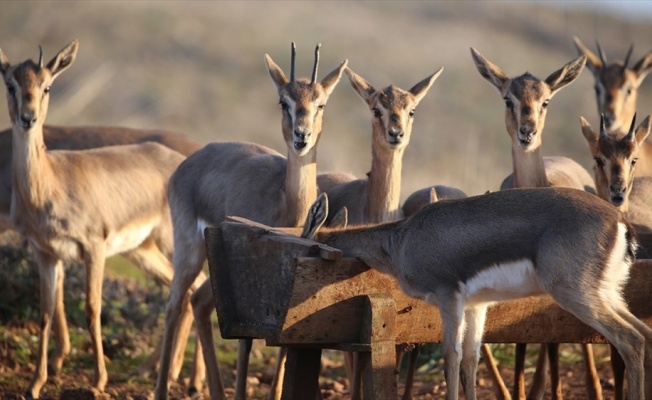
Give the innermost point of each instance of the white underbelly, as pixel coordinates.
(502, 282)
(129, 237)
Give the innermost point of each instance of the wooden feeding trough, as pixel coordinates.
(269, 284)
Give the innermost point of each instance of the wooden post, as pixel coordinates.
(379, 374)
(301, 373)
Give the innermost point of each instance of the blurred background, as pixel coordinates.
(197, 67)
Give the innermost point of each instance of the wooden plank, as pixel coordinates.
(269, 285)
(326, 306)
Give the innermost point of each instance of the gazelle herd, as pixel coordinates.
(82, 194)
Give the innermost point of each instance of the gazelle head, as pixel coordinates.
(526, 97)
(302, 102)
(392, 109)
(28, 85)
(615, 158)
(616, 84)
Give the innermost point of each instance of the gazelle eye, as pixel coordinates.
(634, 161)
(411, 114)
(629, 91)
(11, 89)
(46, 90)
(284, 105)
(545, 103)
(599, 162)
(376, 112)
(321, 107)
(508, 103)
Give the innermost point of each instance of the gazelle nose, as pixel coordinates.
(27, 120)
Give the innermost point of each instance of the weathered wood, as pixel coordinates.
(301, 379)
(379, 373)
(270, 287)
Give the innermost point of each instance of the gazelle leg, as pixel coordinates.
(593, 387)
(59, 325)
(95, 259)
(555, 382)
(538, 387)
(474, 318)
(451, 308)
(184, 276)
(409, 376)
(242, 366)
(47, 279)
(647, 334)
(502, 393)
(276, 388)
(519, 371)
(618, 368)
(203, 306)
(612, 320)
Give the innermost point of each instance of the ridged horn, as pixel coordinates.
(294, 57)
(314, 70)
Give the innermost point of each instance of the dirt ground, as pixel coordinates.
(73, 383)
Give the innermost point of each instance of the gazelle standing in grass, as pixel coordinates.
(526, 101)
(616, 92)
(246, 180)
(81, 206)
(464, 255)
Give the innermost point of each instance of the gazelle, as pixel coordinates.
(526, 100)
(247, 180)
(376, 198)
(81, 206)
(615, 167)
(463, 255)
(615, 161)
(82, 138)
(422, 197)
(616, 91)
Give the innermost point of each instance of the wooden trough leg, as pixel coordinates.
(379, 373)
(301, 379)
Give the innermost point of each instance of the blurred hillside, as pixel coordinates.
(197, 67)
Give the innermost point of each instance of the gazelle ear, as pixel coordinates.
(642, 67)
(643, 130)
(63, 59)
(593, 62)
(330, 81)
(4, 63)
(590, 135)
(420, 89)
(275, 72)
(489, 71)
(316, 217)
(566, 74)
(361, 86)
(341, 219)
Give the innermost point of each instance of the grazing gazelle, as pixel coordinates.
(526, 101)
(82, 206)
(246, 180)
(616, 91)
(463, 255)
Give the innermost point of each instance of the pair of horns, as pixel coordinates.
(314, 70)
(603, 130)
(603, 56)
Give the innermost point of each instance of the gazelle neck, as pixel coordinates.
(529, 170)
(372, 245)
(32, 176)
(300, 186)
(384, 186)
